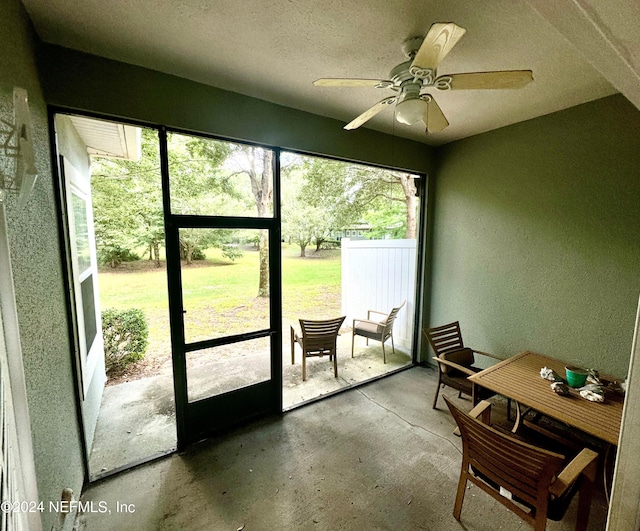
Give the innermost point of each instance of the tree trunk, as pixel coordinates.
(263, 285)
(189, 249)
(156, 252)
(261, 176)
(150, 252)
(409, 188)
(412, 223)
(303, 246)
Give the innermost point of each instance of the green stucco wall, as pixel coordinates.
(37, 274)
(537, 236)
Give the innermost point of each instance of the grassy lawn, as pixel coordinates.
(220, 295)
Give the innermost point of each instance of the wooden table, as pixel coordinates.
(518, 378)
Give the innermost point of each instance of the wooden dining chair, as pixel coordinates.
(455, 361)
(380, 329)
(534, 483)
(319, 338)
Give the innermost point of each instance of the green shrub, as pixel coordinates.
(114, 256)
(126, 337)
(198, 254)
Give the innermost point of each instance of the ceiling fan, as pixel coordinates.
(413, 79)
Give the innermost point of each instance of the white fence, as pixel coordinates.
(379, 275)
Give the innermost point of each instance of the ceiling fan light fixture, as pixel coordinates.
(410, 111)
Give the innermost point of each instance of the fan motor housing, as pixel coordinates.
(410, 90)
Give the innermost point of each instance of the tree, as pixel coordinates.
(152, 234)
(392, 214)
(328, 185)
(198, 180)
(386, 220)
(408, 183)
(115, 223)
(128, 197)
(200, 185)
(205, 174)
(127, 201)
(377, 186)
(347, 192)
(304, 224)
(314, 200)
(257, 164)
(194, 240)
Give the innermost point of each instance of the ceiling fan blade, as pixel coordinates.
(345, 82)
(437, 44)
(507, 79)
(434, 118)
(370, 113)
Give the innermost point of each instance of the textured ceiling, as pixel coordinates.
(275, 49)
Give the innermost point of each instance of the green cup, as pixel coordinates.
(576, 377)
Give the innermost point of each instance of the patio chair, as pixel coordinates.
(318, 339)
(455, 362)
(534, 483)
(379, 330)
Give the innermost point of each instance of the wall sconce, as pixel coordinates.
(18, 171)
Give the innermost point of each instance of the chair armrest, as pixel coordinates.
(461, 368)
(369, 312)
(487, 354)
(365, 321)
(483, 411)
(585, 463)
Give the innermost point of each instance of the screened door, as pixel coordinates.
(222, 231)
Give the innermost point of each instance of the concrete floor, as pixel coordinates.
(376, 457)
(137, 419)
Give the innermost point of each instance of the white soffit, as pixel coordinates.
(109, 139)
